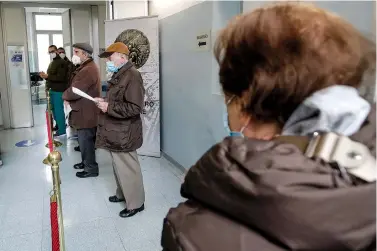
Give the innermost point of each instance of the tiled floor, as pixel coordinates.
(91, 222)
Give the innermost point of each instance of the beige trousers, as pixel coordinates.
(129, 178)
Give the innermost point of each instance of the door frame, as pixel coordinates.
(48, 32)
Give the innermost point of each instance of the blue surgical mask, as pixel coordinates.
(226, 122)
(110, 67)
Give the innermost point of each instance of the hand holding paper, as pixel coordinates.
(103, 106)
(83, 94)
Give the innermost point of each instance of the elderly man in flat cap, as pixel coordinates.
(84, 114)
(120, 129)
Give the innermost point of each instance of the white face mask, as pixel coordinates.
(62, 55)
(76, 60)
(52, 55)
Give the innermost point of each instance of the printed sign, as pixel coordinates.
(17, 58)
(203, 41)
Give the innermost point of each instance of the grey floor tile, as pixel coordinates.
(20, 218)
(91, 221)
(99, 235)
(27, 242)
(81, 208)
(141, 232)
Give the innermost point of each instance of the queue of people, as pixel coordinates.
(113, 124)
(57, 78)
(282, 180)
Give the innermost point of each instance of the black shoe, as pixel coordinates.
(55, 128)
(129, 213)
(77, 148)
(84, 174)
(79, 166)
(115, 199)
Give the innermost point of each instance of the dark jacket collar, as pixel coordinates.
(114, 79)
(57, 58)
(80, 67)
(85, 63)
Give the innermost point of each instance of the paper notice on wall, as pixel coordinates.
(17, 72)
(17, 59)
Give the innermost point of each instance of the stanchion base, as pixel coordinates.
(56, 144)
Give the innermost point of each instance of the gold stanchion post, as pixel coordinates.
(55, 158)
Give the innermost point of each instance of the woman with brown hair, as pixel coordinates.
(298, 172)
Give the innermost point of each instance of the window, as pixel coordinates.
(43, 42)
(49, 30)
(57, 39)
(48, 23)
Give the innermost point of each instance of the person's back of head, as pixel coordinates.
(287, 69)
(279, 55)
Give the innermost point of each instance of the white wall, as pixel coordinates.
(102, 13)
(5, 115)
(165, 8)
(67, 36)
(94, 33)
(19, 97)
(81, 27)
(127, 9)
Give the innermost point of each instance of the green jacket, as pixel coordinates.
(57, 75)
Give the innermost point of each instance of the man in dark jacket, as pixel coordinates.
(56, 82)
(120, 129)
(84, 114)
(70, 66)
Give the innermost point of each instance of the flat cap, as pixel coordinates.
(84, 46)
(115, 47)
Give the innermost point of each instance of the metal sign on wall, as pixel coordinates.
(141, 36)
(203, 41)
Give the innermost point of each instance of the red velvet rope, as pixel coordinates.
(50, 140)
(54, 227)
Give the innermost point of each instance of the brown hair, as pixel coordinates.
(277, 56)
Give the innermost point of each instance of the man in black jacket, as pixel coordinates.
(70, 66)
(57, 83)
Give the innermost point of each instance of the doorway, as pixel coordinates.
(44, 29)
(48, 30)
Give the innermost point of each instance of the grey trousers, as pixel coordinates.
(129, 178)
(87, 140)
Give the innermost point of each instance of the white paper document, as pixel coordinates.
(82, 94)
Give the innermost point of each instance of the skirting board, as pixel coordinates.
(175, 163)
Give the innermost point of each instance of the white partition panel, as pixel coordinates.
(17, 67)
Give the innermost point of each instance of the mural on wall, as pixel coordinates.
(138, 44)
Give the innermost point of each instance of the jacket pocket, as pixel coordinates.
(117, 135)
(117, 93)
